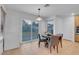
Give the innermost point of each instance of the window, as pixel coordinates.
(29, 30)
(26, 30)
(50, 27)
(34, 30)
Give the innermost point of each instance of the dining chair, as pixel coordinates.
(60, 39)
(41, 39)
(54, 42)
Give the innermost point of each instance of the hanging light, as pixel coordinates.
(39, 18)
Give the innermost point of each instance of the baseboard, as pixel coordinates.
(67, 40)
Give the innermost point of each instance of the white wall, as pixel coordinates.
(42, 27)
(0, 19)
(58, 25)
(13, 28)
(65, 25)
(69, 28)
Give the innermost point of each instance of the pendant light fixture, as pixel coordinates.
(39, 18)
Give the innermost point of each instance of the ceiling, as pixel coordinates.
(52, 10)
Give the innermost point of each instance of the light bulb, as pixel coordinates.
(39, 19)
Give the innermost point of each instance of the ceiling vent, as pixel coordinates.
(46, 5)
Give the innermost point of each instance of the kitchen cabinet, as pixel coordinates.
(77, 37)
(77, 28)
(76, 21)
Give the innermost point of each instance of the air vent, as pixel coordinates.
(46, 5)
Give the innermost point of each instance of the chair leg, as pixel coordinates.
(39, 44)
(57, 48)
(46, 44)
(50, 49)
(61, 43)
(54, 47)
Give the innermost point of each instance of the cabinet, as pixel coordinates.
(76, 29)
(77, 38)
(76, 21)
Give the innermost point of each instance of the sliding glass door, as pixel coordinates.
(29, 30)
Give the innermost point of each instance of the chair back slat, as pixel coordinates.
(54, 40)
(39, 36)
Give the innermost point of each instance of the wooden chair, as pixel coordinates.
(42, 40)
(54, 42)
(60, 39)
